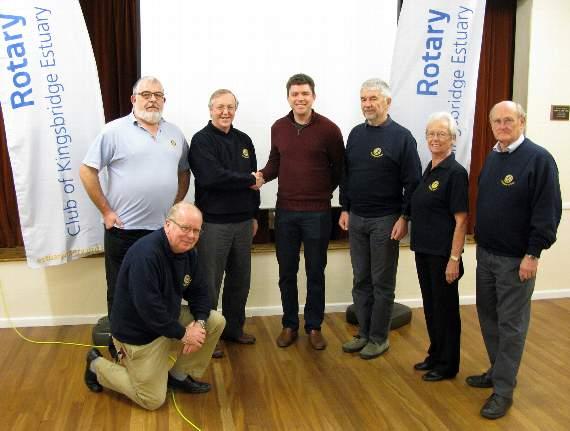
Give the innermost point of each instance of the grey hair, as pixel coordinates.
(451, 124)
(377, 84)
(144, 79)
(220, 92)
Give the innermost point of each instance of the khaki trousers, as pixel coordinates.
(143, 370)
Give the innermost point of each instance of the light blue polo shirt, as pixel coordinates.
(142, 170)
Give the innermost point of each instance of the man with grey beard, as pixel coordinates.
(146, 159)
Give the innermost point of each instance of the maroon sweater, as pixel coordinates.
(308, 162)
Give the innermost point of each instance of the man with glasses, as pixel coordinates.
(382, 169)
(227, 192)
(148, 320)
(519, 207)
(147, 169)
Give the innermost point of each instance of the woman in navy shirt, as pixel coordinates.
(439, 208)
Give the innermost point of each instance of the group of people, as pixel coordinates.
(153, 257)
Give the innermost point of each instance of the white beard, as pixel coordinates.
(151, 117)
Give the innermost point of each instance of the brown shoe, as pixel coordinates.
(218, 351)
(317, 340)
(287, 337)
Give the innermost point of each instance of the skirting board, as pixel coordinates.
(89, 319)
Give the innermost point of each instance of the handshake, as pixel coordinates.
(259, 181)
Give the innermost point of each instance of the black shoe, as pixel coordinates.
(482, 381)
(423, 366)
(90, 377)
(189, 385)
(496, 407)
(242, 339)
(435, 376)
(218, 351)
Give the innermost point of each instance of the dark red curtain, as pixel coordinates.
(113, 27)
(495, 83)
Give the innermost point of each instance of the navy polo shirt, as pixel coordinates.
(442, 192)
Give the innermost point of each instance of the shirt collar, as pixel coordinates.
(444, 164)
(512, 147)
(218, 131)
(386, 123)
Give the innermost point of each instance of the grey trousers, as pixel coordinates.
(226, 248)
(374, 259)
(503, 306)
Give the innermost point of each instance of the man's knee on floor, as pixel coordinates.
(152, 401)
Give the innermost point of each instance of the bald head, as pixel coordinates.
(182, 226)
(508, 121)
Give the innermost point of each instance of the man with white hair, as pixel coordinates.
(149, 321)
(227, 192)
(382, 169)
(519, 207)
(147, 168)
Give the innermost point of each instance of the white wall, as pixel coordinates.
(75, 293)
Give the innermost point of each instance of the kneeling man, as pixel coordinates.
(148, 319)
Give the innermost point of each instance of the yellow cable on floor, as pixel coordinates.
(66, 343)
(29, 340)
(180, 412)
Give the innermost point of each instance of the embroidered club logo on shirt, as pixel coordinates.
(433, 186)
(187, 280)
(376, 152)
(508, 181)
(173, 143)
(245, 153)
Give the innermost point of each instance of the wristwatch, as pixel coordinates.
(455, 258)
(202, 324)
(532, 257)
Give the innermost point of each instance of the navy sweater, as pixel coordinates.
(150, 287)
(519, 203)
(222, 164)
(382, 170)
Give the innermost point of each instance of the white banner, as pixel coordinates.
(435, 67)
(51, 101)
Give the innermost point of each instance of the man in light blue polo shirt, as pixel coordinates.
(146, 159)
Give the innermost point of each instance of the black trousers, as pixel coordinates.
(117, 242)
(441, 310)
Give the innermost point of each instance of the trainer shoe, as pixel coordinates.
(373, 350)
(355, 345)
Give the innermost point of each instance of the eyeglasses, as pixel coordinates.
(158, 95)
(439, 135)
(222, 108)
(505, 121)
(186, 229)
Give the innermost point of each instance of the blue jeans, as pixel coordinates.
(313, 229)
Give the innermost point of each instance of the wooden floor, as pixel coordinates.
(263, 387)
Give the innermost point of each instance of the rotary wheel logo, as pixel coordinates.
(187, 280)
(376, 152)
(508, 181)
(245, 153)
(433, 186)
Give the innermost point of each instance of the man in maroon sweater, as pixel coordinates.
(307, 152)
